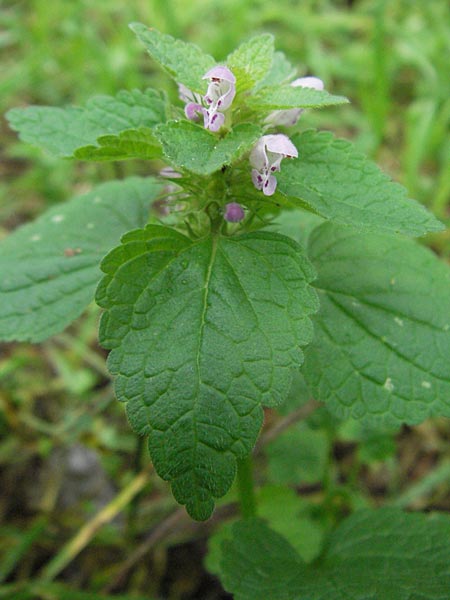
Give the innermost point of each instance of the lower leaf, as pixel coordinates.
(382, 338)
(373, 555)
(202, 335)
(50, 268)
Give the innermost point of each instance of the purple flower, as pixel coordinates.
(266, 158)
(292, 115)
(233, 212)
(219, 96)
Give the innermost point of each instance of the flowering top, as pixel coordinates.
(266, 158)
(219, 96)
(291, 116)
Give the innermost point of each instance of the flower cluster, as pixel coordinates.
(269, 150)
(219, 96)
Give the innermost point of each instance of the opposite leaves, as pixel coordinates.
(62, 131)
(340, 184)
(50, 268)
(373, 555)
(382, 338)
(202, 335)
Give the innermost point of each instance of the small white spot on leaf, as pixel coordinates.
(398, 321)
(426, 385)
(90, 226)
(35, 238)
(57, 218)
(97, 200)
(388, 385)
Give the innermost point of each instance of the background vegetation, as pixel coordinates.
(80, 508)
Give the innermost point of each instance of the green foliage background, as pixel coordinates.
(391, 59)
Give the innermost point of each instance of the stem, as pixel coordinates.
(246, 487)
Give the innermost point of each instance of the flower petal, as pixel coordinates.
(270, 185)
(257, 179)
(309, 82)
(220, 72)
(186, 95)
(258, 156)
(193, 111)
(287, 117)
(280, 144)
(214, 121)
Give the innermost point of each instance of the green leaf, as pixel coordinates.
(191, 147)
(299, 455)
(50, 268)
(373, 555)
(297, 224)
(341, 184)
(285, 96)
(293, 522)
(299, 394)
(202, 334)
(62, 130)
(132, 143)
(281, 71)
(183, 61)
(251, 61)
(382, 337)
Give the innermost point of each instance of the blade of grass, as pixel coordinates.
(425, 486)
(12, 558)
(74, 546)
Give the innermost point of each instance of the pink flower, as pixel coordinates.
(291, 116)
(266, 158)
(219, 96)
(233, 212)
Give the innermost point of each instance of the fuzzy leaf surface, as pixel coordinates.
(61, 131)
(191, 147)
(280, 72)
(183, 61)
(382, 338)
(50, 268)
(341, 184)
(251, 61)
(286, 96)
(202, 335)
(132, 143)
(373, 555)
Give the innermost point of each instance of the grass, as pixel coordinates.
(391, 60)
